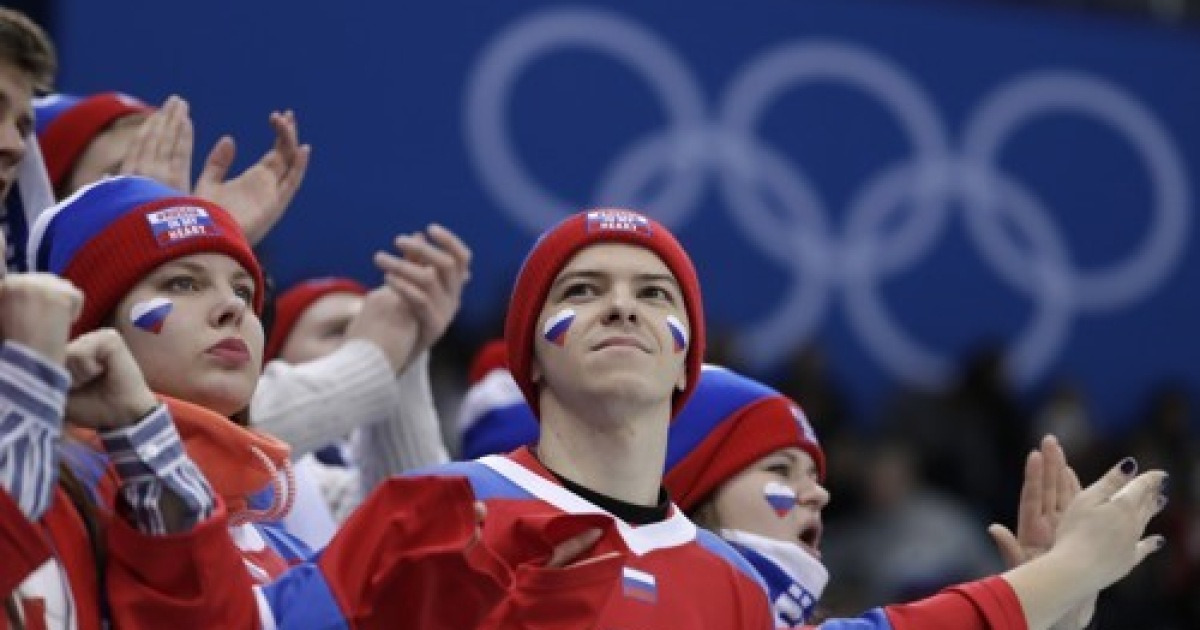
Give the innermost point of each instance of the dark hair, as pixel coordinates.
(25, 45)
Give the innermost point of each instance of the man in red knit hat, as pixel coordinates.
(605, 334)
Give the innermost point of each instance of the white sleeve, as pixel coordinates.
(410, 438)
(310, 519)
(317, 403)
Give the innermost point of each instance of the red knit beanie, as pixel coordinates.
(732, 422)
(292, 303)
(555, 248)
(109, 235)
(66, 125)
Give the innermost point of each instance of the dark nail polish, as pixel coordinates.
(1165, 487)
(1162, 501)
(1129, 465)
(1160, 542)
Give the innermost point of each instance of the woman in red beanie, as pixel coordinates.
(184, 294)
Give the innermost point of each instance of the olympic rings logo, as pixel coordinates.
(939, 178)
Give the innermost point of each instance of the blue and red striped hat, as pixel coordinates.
(494, 417)
(110, 234)
(67, 124)
(731, 422)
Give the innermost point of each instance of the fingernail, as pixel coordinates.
(1160, 542)
(1165, 486)
(1128, 465)
(1161, 502)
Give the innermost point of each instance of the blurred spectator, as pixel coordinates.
(973, 437)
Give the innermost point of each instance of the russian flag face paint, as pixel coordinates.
(780, 497)
(678, 333)
(151, 314)
(555, 328)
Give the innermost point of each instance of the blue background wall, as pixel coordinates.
(920, 178)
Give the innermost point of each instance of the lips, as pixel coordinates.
(621, 341)
(231, 351)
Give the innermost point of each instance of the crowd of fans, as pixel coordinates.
(181, 444)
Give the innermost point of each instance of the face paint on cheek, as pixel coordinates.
(780, 497)
(678, 333)
(555, 328)
(151, 314)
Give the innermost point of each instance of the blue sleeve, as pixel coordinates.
(301, 600)
(151, 461)
(33, 394)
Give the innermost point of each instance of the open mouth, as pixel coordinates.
(810, 539)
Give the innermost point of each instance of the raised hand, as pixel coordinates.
(108, 390)
(1049, 487)
(259, 196)
(37, 310)
(162, 146)
(430, 276)
(387, 321)
(1102, 527)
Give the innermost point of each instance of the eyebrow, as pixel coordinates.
(199, 269)
(597, 275)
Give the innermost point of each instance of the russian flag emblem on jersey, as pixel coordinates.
(555, 329)
(172, 225)
(619, 220)
(780, 497)
(151, 314)
(639, 585)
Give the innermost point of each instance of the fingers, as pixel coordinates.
(1106, 486)
(418, 299)
(1030, 506)
(162, 146)
(140, 150)
(566, 552)
(1145, 495)
(419, 250)
(174, 150)
(287, 145)
(444, 251)
(1053, 463)
(218, 163)
(85, 357)
(290, 183)
(1007, 545)
(417, 274)
(1147, 546)
(450, 242)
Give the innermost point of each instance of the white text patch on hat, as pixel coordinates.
(172, 225)
(617, 220)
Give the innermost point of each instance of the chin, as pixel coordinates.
(226, 401)
(626, 386)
